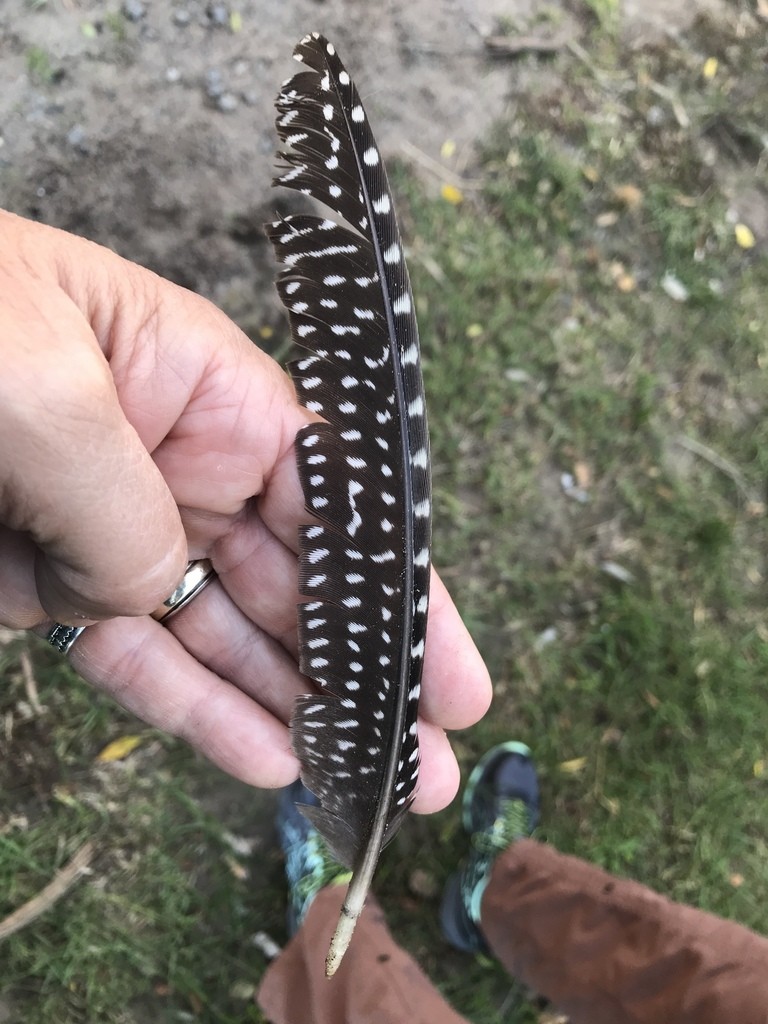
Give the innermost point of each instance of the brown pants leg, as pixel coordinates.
(377, 983)
(608, 951)
(603, 950)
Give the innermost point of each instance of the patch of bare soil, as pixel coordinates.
(147, 125)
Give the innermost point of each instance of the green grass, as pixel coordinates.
(550, 347)
(39, 66)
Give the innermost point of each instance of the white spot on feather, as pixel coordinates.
(392, 254)
(422, 559)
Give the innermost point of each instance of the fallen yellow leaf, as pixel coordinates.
(451, 194)
(744, 236)
(758, 768)
(447, 149)
(235, 21)
(474, 330)
(590, 173)
(711, 65)
(119, 748)
(574, 766)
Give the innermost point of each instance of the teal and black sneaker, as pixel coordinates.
(500, 805)
(309, 866)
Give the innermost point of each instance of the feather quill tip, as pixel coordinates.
(340, 941)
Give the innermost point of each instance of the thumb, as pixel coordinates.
(74, 475)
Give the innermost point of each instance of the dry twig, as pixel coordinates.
(59, 885)
(436, 169)
(710, 455)
(514, 46)
(30, 683)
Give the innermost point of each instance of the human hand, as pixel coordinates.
(139, 428)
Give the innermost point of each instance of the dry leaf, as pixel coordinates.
(711, 65)
(736, 880)
(574, 766)
(758, 768)
(64, 795)
(607, 219)
(612, 737)
(583, 474)
(652, 699)
(238, 870)
(447, 149)
(626, 283)
(119, 748)
(629, 195)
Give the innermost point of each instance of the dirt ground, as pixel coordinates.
(147, 125)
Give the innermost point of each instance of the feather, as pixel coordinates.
(364, 563)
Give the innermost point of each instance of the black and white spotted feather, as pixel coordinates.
(365, 472)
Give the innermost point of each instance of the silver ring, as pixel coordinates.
(197, 577)
(62, 637)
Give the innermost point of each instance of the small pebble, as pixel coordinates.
(181, 16)
(134, 10)
(674, 287)
(218, 14)
(267, 945)
(545, 638)
(214, 84)
(227, 102)
(424, 884)
(78, 140)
